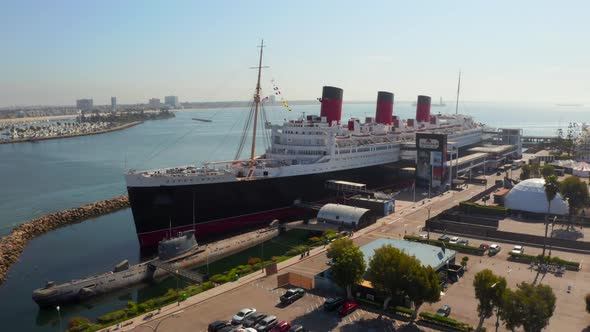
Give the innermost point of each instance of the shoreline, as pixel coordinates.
(38, 118)
(36, 139)
(13, 244)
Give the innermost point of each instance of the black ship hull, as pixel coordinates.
(227, 208)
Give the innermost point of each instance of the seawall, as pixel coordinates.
(13, 244)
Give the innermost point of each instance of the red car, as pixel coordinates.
(283, 326)
(347, 308)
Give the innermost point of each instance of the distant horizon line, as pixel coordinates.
(299, 101)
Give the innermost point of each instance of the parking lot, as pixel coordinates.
(570, 306)
(264, 296)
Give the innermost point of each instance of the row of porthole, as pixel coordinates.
(191, 180)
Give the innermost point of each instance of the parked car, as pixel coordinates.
(283, 326)
(494, 248)
(239, 317)
(297, 328)
(518, 250)
(444, 238)
(253, 319)
(266, 324)
(333, 303)
(228, 328)
(292, 294)
(484, 246)
(454, 240)
(217, 325)
(424, 236)
(347, 308)
(444, 311)
(463, 242)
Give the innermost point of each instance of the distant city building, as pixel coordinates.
(114, 104)
(172, 101)
(155, 103)
(85, 104)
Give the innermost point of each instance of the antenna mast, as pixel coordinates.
(257, 103)
(458, 89)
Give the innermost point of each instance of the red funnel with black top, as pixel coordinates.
(423, 109)
(384, 110)
(331, 103)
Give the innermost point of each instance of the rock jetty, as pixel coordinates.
(13, 244)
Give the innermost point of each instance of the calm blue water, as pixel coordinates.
(44, 177)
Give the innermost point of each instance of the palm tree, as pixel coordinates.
(551, 189)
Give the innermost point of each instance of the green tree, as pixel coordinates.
(424, 286)
(464, 261)
(535, 169)
(547, 170)
(529, 306)
(338, 246)
(551, 189)
(576, 193)
(349, 264)
(386, 271)
(489, 290)
(525, 172)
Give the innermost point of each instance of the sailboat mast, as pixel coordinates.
(257, 104)
(458, 89)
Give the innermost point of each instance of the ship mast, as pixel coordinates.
(458, 89)
(256, 103)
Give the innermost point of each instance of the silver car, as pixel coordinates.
(239, 317)
(266, 324)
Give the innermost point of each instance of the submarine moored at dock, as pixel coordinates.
(175, 255)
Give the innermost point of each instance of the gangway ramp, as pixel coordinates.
(180, 272)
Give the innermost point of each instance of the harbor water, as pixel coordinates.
(44, 177)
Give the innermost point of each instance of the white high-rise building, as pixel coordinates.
(155, 102)
(172, 101)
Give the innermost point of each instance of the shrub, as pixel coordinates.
(403, 311)
(445, 321)
(297, 250)
(315, 239)
(458, 247)
(254, 260)
(490, 210)
(111, 317)
(78, 321)
(572, 266)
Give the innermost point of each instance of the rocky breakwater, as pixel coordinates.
(13, 244)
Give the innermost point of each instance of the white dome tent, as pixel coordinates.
(581, 169)
(529, 196)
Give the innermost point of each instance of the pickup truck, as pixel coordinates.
(292, 294)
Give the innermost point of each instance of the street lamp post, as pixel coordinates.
(428, 228)
(59, 316)
(177, 292)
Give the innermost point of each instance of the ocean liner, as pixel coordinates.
(219, 198)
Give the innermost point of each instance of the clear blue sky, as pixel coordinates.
(54, 52)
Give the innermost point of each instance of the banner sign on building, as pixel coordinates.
(431, 152)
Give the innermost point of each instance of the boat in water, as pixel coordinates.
(202, 120)
(237, 195)
(170, 250)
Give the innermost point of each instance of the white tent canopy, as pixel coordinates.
(581, 169)
(529, 196)
(564, 163)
